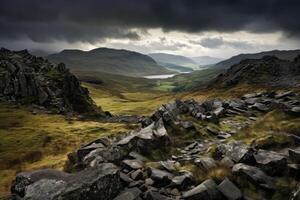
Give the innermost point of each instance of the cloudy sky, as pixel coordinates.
(219, 28)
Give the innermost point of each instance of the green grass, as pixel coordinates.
(40, 141)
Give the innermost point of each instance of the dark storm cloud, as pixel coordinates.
(90, 20)
(216, 42)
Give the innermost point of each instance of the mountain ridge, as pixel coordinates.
(115, 61)
(281, 54)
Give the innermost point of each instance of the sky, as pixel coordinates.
(218, 28)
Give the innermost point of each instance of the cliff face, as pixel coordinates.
(27, 79)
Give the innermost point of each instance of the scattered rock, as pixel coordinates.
(206, 190)
(229, 190)
(294, 156)
(253, 175)
(271, 162)
(236, 151)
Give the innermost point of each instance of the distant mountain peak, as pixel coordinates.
(114, 61)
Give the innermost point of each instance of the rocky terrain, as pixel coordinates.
(281, 54)
(180, 152)
(267, 71)
(26, 79)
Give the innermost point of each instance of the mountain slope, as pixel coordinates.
(267, 71)
(206, 60)
(175, 60)
(27, 79)
(281, 54)
(110, 61)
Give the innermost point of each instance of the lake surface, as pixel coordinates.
(164, 76)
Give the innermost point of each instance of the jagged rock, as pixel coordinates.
(294, 156)
(137, 175)
(125, 178)
(206, 163)
(206, 190)
(284, 94)
(253, 175)
(260, 107)
(229, 190)
(236, 151)
(130, 194)
(24, 179)
(293, 170)
(227, 162)
(144, 141)
(168, 165)
(183, 181)
(160, 177)
(28, 79)
(101, 182)
(271, 162)
(133, 164)
(294, 110)
(154, 195)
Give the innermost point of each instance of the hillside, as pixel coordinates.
(110, 61)
(281, 54)
(267, 71)
(175, 60)
(206, 60)
(28, 80)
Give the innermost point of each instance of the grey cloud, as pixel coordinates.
(91, 20)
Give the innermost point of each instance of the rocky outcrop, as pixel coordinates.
(148, 163)
(27, 79)
(267, 71)
(98, 183)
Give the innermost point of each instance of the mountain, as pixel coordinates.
(206, 60)
(26, 79)
(175, 60)
(110, 61)
(281, 54)
(267, 71)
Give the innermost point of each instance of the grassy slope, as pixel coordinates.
(191, 81)
(40, 141)
(125, 95)
(37, 141)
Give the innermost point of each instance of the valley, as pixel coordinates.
(204, 119)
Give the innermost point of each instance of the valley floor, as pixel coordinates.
(32, 140)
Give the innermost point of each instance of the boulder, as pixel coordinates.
(183, 181)
(294, 155)
(206, 164)
(271, 162)
(137, 175)
(98, 183)
(229, 190)
(133, 164)
(168, 165)
(147, 139)
(260, 107)
(25, 179)
(254, 175)
(236, 151)
(130, 194)
(206, 190)
(160, 177)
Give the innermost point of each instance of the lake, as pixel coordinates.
(164, 76)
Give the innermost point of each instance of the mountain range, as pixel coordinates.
(107, 60)
(174, 61)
